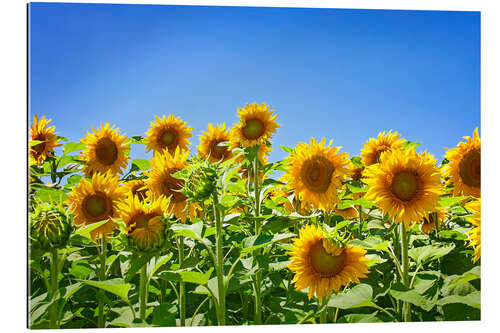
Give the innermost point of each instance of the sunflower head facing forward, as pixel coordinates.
(167, 133)
(97, 201)
(404, 184)
(315, 171)
(464, 168)
(106, 150)
(322, 265)
(39, 131)
(256, 125)
(145, 222)
(212, 144)
(374, 148)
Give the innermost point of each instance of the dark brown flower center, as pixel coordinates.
(170, 187)
(324, 263)
(470, 168)
(106, 151)
(140, 191)
(316, 174)
(253, 129)
(405, 185)
(97, 207)
(218, 151)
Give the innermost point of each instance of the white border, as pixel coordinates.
(13, 160)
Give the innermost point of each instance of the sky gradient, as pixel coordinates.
(341, 74)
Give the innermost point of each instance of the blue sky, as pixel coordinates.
(334, 73)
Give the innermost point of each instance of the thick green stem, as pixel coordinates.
(219, 264)
(54, 275)
(405, 262)
(163, 291)
(182, 293)
(324, 312)
(102, 277)
(143, 292)
(258, 275)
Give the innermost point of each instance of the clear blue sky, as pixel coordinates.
(341, 74)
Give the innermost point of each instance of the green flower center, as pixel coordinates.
(106, 151)
(405, 185)
(324, 263)
(253, 129)
(169, 138)
(96, 206)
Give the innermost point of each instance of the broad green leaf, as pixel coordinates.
(404, 294)
(187, 276)
(133, 264)
(409, 144)
(287, 149)
(253, 243)
(357, 297)
(188, 230)
(85, 231)
(47, 194)
(355, 189)
(371, 243)
(73, 146)
(430, 252)
(360, 318)
(473, 300)
(140, 164)
(473, 274)
(452, 234)
(450, 201)
(115, 286)
(156, 263)
(165, 315)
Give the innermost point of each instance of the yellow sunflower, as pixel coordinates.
(161, 182)
(427, 224)
(375, 147)
(315, 172)
(256, 125)
(475, 234)
(138, 188)
(355, 172)
(348, 213)
(464, 168)
(40, 132)
(167, 134)
(404, 184)
(322, 265)
(144, 221)
(106, 150)
(210, 144)
(97, 201)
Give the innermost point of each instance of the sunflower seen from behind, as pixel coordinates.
(214, 144)
(145, 222)
(43, 139)
(168, 133)
(256, 125)
(106, 150)
(475, 233)
(97, 200)
(316, 171)
(374, 147)
(323, 265)
(404, 184)
(464, 169)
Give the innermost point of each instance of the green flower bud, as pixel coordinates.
(201, 182)
(50, 227)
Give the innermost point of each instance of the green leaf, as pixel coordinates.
(34, 143)
(156, 263)
(404, 294)
(355, 189)
(115, 286)
(409, 144)
(133, 264)
(47, 194)
(287, 149)
(73, 146)
(450, 201)
(165, 315)
(188, 230)
(187, 276)
(356, 160)
(140, 164)
(253, 243)
(357, 297)
(85, 231)
(371, 243)
(473, 300)
(473, 274)
(360, 318)
(430, 252)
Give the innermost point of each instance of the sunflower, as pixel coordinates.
(348, 213)
(428, 223)
(322, 265)
(375, 147)
(48, 141)
(315, 172)
(210, 144)
(138, 188)
(464, 168)
(475, 234)
(256, 125)
(96, 201)
(167, 134)
(145, 227)
(106, 150)
(355, 172)
(161, 182)
(404, 184)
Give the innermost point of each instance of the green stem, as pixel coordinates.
(102, 277)
(143, 292)
(258, 275)
(406, 266)
(54, 270)
(324, 312)
(182, 294)
(219, 262)
(163, 291)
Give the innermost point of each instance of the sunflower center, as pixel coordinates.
(217, 150)
(96, 206)
(253, 129)
(170, 187)
(39, 148)
(405, 185)
(470, 168)
(140, 192)
(324, 263)
(142, 220)
(316, 174)
(106, 151)
(169, 138)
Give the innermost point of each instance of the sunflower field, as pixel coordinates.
(218, 235)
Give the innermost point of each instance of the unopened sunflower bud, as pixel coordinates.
(50, 227)
(202, 182)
